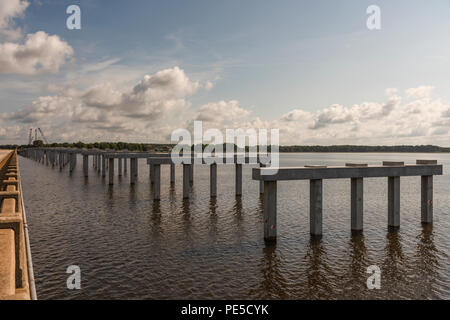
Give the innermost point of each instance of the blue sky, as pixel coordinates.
(271, 56)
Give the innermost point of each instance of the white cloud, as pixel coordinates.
(419, 92)
(9, 10)
(36, 53)
(40, 53)
(158, 104)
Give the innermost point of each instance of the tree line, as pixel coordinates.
(167, 147)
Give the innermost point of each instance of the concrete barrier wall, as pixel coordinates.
(14, 265)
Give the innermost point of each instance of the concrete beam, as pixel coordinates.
(427, 199)
(315, 207)
(345, 172)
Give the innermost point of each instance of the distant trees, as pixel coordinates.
(167, 147)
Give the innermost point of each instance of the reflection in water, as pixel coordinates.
(426, 262)
(319, 274)
(355, 278)
(393, 264)
(273, 284)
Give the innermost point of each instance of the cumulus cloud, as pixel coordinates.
(154, 106)
(41, 53)
(159, 103)
(37, 53)
(9, 10)
(222, 113)
(419, 92)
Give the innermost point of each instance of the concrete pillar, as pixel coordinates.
(85, 164)
(427, 199)
(172, 173)
(191, 172)
(393, 203)
(103, 166)
(186, 178)
(357, 204)
(72, 161)
(132, 170)
(156, 176)
(124, 165)
(151, 173)
(238, 179)
(136, 168)
(261, 182)
(315, 207)
(111, 171)
(270, 210)
(119, 164)
(213, 179)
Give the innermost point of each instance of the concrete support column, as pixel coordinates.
(213, 180)
(99, 162)
(186, 178)
(125, 165)
(103, 166)
(393, 203)
(156, 182)
(427, 199)
(315, 207)
(72, 161)
(132, 170)
(119, 165)
(172, 173)
(85, 164)
(136, 168)
(238, 179)
(111, 171)
(270, 210)
(151, 173)
(357, 204)
(261, 182)
(191, 172)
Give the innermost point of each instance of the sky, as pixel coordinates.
(138, 70)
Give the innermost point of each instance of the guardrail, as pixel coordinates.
(16, 269)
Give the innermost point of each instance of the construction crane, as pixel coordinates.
(43, 136)
(30, 136)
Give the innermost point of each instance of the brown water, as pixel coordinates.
(129, 247)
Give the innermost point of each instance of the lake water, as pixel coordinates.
(129, 247)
